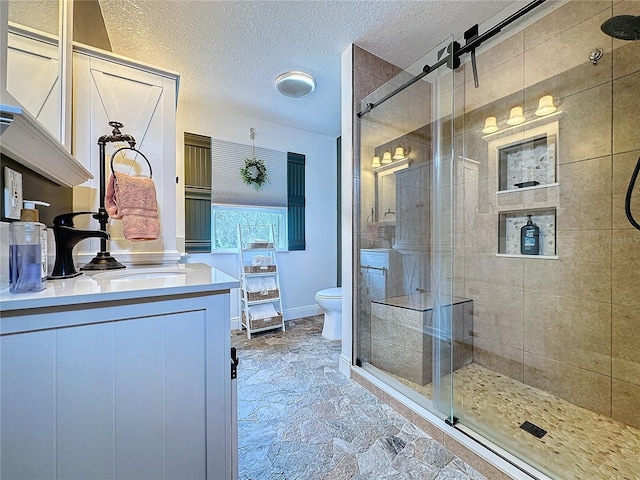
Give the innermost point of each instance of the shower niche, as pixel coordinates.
(509, 231)
(527, 184)
(527, 159)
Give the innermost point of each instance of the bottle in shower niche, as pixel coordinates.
(26, 267)
(530, 238)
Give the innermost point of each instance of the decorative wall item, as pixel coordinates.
(254, 172)
(228, 186)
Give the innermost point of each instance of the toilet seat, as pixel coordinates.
(330, 293)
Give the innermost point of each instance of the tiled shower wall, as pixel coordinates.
(369, 74)
(571, 325)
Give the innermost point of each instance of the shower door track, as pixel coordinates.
(524, 467)
(452, 59)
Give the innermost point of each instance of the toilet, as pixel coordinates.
(330, 300)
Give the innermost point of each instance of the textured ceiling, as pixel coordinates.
(229, 53)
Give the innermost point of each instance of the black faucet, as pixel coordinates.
(67, 236)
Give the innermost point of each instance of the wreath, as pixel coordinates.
(254, 172)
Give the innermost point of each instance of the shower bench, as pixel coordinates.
(404, 338)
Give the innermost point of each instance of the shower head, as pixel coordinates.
(624, 27)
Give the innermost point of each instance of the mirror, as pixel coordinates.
(386, 190)
(33, 60)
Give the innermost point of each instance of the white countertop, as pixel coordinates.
(128, 283)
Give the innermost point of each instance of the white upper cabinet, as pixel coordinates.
(110, 88)
(34, 78)
(34, 93)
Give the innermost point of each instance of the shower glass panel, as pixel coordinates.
(555, 376)
(404, 238)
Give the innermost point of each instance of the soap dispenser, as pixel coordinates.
(530, 238)
(28, 251)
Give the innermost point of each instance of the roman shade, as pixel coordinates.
(227, 187)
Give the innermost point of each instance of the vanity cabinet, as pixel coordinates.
(107, 87)
(130, 388)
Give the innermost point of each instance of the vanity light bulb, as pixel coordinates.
(386, 158)
(376, 162)
(399, 155)
(545, 106)
(516, 117)
(490, 125)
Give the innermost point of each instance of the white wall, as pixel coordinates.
(302, 273)
(346, 215)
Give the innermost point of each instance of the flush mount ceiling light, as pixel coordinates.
(295, 84)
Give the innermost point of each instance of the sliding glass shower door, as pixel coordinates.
(404, 233)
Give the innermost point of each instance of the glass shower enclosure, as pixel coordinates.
(497, 277)
(404, 267)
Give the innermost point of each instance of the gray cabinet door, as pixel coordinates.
(143, 397)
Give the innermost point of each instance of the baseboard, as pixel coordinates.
(344, 365)
(235, 323)
(289, 314)
(300, 312)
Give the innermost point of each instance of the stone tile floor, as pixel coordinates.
(300, 418)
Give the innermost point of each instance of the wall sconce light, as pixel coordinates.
(545, 106)
(516, 117)
(386, 158)
(490, 125)
(376, 162)
(399, 155)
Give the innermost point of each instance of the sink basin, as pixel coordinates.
(141, 273)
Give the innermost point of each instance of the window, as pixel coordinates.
(280, 202)
(225, 220)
